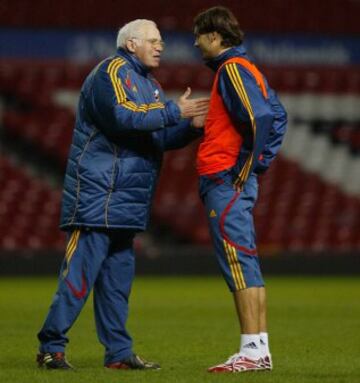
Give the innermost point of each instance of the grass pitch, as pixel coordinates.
(188, 324)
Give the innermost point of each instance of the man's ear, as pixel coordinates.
(130, 46)
(213, 36)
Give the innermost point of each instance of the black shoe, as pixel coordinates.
(53, 360)
(134, 362)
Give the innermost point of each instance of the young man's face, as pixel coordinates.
(208, 44)
(148, 48)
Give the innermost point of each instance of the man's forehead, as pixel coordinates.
(151, 31)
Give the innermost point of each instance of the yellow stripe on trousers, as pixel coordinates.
(70, 249)
(239, 269)
(235, 267)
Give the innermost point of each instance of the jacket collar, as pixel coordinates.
(137, 65)
(217, 61)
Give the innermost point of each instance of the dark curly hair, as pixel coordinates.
(222, 20)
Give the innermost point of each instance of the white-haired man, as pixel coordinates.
(123, 126)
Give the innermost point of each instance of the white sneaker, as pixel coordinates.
(267, 362)
(239, 363)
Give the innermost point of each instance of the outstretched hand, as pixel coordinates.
(192, 108)
(198, 121)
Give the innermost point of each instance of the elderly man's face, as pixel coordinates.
(149, 46)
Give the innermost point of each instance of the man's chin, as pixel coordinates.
(154, 64)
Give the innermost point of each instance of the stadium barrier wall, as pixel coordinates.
(190, 261)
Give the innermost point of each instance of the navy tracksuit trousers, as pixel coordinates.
(103, 260)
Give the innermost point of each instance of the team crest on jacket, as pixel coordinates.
(128, 81)
(157, 95)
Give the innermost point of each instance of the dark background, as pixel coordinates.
(308, 213)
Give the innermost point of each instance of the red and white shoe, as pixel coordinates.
(267, 362)
(239, 363)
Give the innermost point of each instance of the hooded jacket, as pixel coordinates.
(123, 126)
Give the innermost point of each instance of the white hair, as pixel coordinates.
(132, 29)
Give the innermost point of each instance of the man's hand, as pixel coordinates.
(238, 185)
(238, 188)
(194, 107)
(198, 121)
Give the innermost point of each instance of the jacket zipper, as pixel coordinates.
(111, 188)
(78, 175)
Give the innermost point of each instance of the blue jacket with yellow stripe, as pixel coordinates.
(123, 126)
(262, 122)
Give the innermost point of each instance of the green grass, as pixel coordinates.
(188, 324)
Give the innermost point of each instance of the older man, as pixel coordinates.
(123, 126)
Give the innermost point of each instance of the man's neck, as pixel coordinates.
(223, 50)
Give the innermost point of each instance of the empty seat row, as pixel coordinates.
(33, 79)
(336, 18)
(296, 210)
(29, 210)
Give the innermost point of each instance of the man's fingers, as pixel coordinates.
(195, 107)
(197, 114)
(198, 102)
(202, 111)
(201, 105)
(201, 99)
(186, 93)
(199, 110)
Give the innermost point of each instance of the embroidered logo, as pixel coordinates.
(157, 95)
(212, 214)
(79, 294)
(250, 345)
(128, 81)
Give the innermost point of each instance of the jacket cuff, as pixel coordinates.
(261, 167)
(172, 114)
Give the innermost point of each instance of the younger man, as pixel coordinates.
(243, 133)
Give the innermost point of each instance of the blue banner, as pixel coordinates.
(304, 50)
(82, 46)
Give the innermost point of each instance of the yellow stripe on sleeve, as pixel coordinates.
(230, 71)
(241, 87)
(244, 171)
(116, 82)
(247, 101)
(237, 82)
(120, 91)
